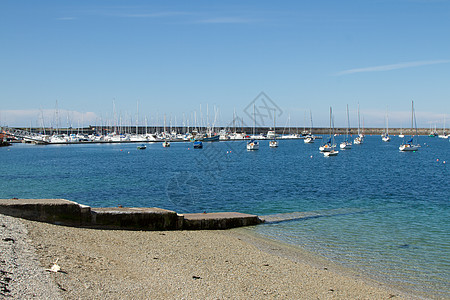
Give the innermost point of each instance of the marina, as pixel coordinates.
(101, 135)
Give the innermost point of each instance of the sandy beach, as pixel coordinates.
(117, 264)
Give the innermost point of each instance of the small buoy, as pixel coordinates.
(444, 162)
(437, 159)
(121, 150)
(189, 148)
(311, 156)
(128, 152)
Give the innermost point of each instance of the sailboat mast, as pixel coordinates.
(443, 130)
(164, 124)
(254, 119)
(304, 123)
(387, 123)
(330, 120)
(137, 116)
(414, 116)
(348, 123)
(274, 128)
(359, 121)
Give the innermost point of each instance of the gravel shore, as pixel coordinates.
(21, 274)
(116, 264)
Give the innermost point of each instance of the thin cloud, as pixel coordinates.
(66, 18)
(393, 67)
(154, 15)
(46, 117)
(226, 20)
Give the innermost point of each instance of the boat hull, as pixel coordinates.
(326, 148)
(331, 153)
(273, 144)
(252, 146)
(408, 148)
(345, 145)
(212, 138)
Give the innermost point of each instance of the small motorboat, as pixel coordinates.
(252, 145)
(198, 145)
(308, 139)
(331, 153)
(273, 144)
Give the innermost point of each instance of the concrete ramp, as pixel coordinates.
(292, 216)
(65, 212)
(141, 218)
(56, 211)
(221, 220)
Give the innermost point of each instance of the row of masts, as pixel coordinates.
(122, 124)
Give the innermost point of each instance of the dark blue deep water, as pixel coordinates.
(379, 210)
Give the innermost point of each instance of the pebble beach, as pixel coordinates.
(118, 264)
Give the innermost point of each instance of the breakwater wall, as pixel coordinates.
(69, 213)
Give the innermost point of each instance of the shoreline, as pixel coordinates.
(115, 264)
(298, 254)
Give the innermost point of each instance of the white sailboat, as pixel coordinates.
(253, 144)
(290, 135)
(274, 143)
(409, 145)
(347, 144)
(166, 143)
(401, 135)
(443, 135)
(360, 138)
(328, 148)
(309, 139)
(385, 137)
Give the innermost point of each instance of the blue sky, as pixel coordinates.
(172, 57)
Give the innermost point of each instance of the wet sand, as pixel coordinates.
(117, 264)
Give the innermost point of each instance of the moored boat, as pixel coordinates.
(308, 140)
(347, 144)
(385, 136)
(410, 145)
(328, 148)
(331, 153)
(198, 145)
(253, 145)
(360, 138)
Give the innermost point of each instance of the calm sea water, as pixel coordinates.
(376, 209)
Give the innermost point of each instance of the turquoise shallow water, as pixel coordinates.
(376, 209)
